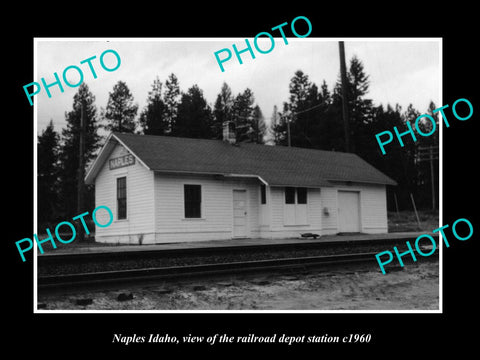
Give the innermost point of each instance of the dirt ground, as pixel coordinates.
(416, 287)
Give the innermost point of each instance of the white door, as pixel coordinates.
(239, 213)
(348, 211)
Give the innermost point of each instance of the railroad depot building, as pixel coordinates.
(168, 189)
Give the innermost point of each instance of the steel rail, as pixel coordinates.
(116, 277)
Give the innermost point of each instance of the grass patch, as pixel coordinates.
(407, 221)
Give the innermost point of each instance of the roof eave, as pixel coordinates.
(110, 143)
(386, 182)
(212, 173)
(95, 167)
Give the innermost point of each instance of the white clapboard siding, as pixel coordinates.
(314, 202)
(216, 210)
(139, 225)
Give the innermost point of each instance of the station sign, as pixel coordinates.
(122, 161)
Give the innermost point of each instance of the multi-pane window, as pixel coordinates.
(295, 208)
(193, 201)
(301, 195)
(121, 198)
(289, 195)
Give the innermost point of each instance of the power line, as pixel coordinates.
(301, 112)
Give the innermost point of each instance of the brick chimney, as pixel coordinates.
(229, 132)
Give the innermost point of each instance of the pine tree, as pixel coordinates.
(69, 151)
(171, 100)
(399, 162)
(194, 117)
(121, 111)
(152, 118)
(299, 87)
(426, 127)
(359, 108)
(243, 111)
(47, 176)
(422, 148)
(280, 128)
(271, 133)
(302, 113)
(329, 132)
(325, 94)
(258, 126)
(359, 81)
(222, 110)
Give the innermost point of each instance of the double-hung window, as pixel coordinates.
(121, 198)
(193, 201)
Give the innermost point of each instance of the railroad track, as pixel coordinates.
(142, 276)
(52, 258)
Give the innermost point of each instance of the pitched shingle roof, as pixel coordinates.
(276, 165)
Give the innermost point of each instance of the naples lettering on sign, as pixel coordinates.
(121, 161)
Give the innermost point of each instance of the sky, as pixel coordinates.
(401, 71)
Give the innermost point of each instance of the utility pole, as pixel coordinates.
(81, 165)
(430, 154)
(343, 73)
